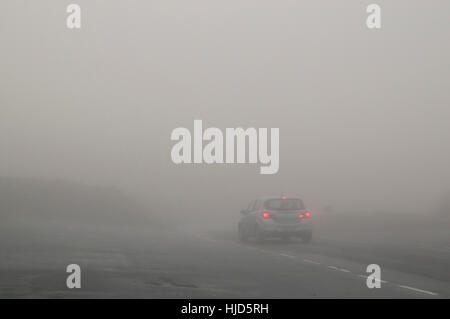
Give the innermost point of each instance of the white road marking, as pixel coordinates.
(333, 267)
(420, 290)
(311, 261)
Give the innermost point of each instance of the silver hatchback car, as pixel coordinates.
(275, 217)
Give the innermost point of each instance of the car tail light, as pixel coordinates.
(266, 215)
(304, 215)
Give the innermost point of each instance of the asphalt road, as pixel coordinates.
(195, 264)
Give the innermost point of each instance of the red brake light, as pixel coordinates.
(284, 197)
(305, 214)
(266, 215)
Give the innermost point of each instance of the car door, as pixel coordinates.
(256, 210)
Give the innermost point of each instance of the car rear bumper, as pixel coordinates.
(275, 229)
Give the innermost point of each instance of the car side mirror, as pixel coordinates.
(244, 212)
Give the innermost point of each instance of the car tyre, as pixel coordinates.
(259, 235)
(306, 237)
(242, 235)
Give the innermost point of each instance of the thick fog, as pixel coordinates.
(86, 117)
(363, 114)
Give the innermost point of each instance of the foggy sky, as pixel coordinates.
(363, 114)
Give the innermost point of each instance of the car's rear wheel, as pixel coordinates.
(243, 237)
(306, 237)
(259, 235)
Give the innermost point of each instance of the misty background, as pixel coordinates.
(363, 114)
(85, 123)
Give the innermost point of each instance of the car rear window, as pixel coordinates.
(284, 204)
